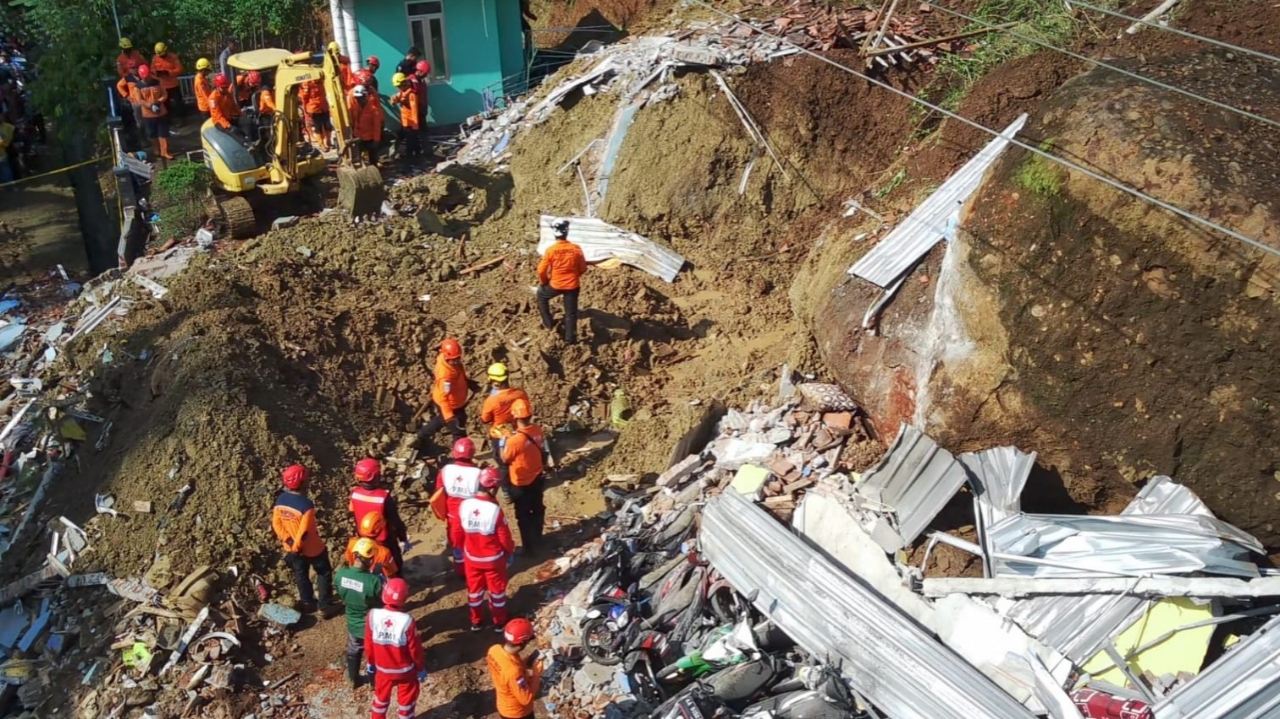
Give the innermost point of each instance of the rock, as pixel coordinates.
(278, 614)
(680, 472)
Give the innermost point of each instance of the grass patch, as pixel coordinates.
(894, 183)
(178, 194)
(1038, 175)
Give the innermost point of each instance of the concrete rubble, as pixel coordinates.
(772, 491)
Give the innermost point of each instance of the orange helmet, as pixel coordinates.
(520, 409)
(519, 631)
(451, 349)
(372, 524)
(367, 470)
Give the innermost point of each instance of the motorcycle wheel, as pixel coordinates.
(597, 642)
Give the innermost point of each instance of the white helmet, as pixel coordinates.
(561, 228)
(360, 91)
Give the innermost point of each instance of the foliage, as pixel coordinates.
(179, 194)
(1038, 175)
(894, 183)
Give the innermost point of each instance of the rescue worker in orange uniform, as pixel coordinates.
(293, 518)
(260, 97)
(450, 391)
(129, 57)
(406, 98)
(394, 654)
(369, 75)
(487, 551)
(522, 453)
(167, 67)
(315, 108)
(369, 495)
(203, 83)
(460, 480)
(366, 122)
(223, 109)
(516, 677)
(127, 87)
(371, 525)
(154, 102)
(496, 410)
(560, 273)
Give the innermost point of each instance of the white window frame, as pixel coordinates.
(427, 55)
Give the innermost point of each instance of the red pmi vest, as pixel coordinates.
(366, 499)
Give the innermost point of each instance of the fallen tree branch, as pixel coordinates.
(934, 41)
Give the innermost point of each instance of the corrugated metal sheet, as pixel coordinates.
(892, 661)
(933, 219)
(916, 478)
(1242, 684)
(612, 145)
(1162, 495)
(998, 476)
(599, 241)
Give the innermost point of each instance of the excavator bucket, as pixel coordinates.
(360, 190)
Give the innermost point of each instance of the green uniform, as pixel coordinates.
(360, 591)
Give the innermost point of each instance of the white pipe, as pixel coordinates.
(352, 31)
(339, 24)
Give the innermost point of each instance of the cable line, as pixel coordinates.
(1184, 33)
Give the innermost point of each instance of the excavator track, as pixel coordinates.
(238, 215)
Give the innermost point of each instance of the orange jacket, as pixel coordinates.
(167, 68)
(366, 119)
(203, 86)
(449, 390)
(522, 454)
(407, 99)
(562, 266)
(223, 108)
(151, 94)
(127, 86)
(311, 94)
(125, 57)
(383, 563)
(515, 685)
(266, 101)
(293, 518)
(496, 410)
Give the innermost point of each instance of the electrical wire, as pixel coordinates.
(1113, 68)
(1203, 222)
(1176, 31)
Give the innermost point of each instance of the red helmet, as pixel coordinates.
(373, 62)
(221, 81)
(519, 631)
(144, 71)
(368, 470)
(423, 67)
(254, 78)
(294, 476)
(463, 448)
(489, 478)
(451, 349)
(394, 592)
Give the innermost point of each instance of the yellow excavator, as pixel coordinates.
(271, 157)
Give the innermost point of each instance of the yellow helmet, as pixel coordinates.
(398, 78)
(333, 47)
(203, 64)
(497, 372)
(126, 43)
(364, 548)
(161, 48)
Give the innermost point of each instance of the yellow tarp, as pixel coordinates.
(1182, 652)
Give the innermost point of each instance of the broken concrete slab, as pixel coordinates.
(680, 472)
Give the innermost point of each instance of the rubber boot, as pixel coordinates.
(353, 670)
(164, 148)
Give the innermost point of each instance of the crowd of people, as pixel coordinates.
(243, 103)
(21, 126)
(369, 588)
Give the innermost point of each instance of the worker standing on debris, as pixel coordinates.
(460, 480)
(366, 122)
(315, 107)
(155, 111)
(294, 520)
(359, 588)
(371, 525)
(167, 67)
(560, 273)
(369, 495)
(129, 57)
(203, 83)
(496, 410)
(516, 678)
(487, 551)
(407, 100)
(450, 390)
(395, 656)
(522, 453)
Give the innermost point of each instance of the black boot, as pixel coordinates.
(353, 670)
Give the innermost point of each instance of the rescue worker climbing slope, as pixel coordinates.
(293, 518)
(516, 679)
(450, 391)
(371, 525)
(560, 273)
(460, 481)
(487, 551)
(522, 453)
(394, 654)
(369, 495)
(360, 590)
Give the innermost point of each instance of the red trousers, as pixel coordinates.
(406, 686)
(488, 577)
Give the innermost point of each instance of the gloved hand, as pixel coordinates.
(405, 546)
(368, 669)
(155, 108)
(422, 676)
(457, 556)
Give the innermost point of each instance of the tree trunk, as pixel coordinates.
(99, 230)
